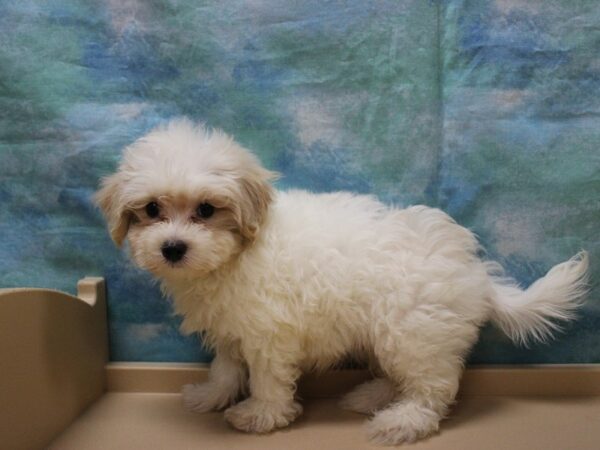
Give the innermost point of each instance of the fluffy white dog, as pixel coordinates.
(284, 282)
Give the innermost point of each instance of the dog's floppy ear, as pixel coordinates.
(256, 195)
(110, 200)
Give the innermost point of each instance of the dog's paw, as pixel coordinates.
(370, 396)
(205, 397)
(257, 416)
(402, 423)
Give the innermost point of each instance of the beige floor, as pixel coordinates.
(157, 421)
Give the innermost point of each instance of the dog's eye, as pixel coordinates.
(205, 210)
(152, 210)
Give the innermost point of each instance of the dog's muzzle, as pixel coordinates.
(174, 251)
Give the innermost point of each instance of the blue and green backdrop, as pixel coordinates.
(488, 109)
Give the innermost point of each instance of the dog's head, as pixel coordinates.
(186, 198)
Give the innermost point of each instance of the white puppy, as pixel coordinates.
(284, 282)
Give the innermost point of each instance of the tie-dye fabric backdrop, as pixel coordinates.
(488, 109)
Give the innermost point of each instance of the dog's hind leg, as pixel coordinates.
(425, 368)
(417, 412)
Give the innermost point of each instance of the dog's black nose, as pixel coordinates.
(173, 250)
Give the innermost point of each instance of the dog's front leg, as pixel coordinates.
(271, 403)
(226, 381)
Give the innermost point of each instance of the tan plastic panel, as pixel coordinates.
(53, 349)
(127, 421)
(540, 380)
(170, 377)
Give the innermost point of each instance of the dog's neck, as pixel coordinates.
(201, 300)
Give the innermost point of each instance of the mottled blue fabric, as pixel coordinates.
(488, 109)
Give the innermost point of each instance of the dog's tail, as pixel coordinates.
(532, 314)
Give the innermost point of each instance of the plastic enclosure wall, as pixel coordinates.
(53, 349)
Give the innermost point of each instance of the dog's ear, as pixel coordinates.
(110, 200)
(256, 195)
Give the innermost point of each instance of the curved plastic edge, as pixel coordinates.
(54, 347)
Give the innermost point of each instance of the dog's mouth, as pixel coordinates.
(175, 264)
(169, 269)
(161, 266)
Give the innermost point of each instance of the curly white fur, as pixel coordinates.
(284, 282)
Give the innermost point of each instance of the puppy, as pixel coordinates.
(279, 283)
